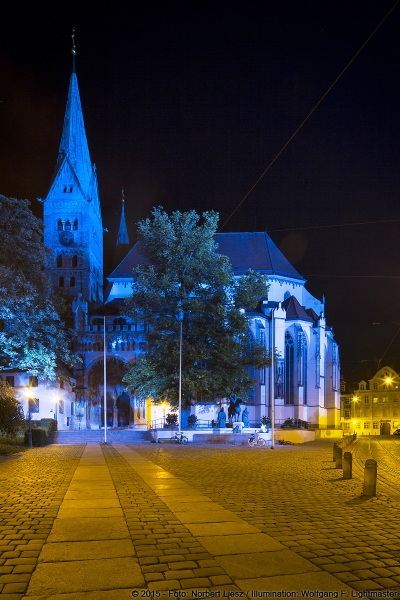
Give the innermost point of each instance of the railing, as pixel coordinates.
(209, 424)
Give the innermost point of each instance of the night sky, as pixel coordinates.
(185, 107)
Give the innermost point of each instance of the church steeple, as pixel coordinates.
(122, 246)
(72, 214)
(74, 143)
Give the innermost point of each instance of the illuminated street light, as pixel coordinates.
(27, 392)
(179, 317)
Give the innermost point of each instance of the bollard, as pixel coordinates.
(370, 474)
(335, 445)
(339, 453)
(347, 465)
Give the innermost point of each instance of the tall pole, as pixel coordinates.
(180, 373)
(272, 379)
(105, 379)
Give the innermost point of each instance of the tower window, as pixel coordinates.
(59, 261)
(289, 369)
(70, 189)
(74, 261)
(61, 282)
(68, 225)
(72, 282)
(65, 189)
(75, 226)
(60, 225)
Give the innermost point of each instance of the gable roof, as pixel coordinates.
(294, 310)
(245, 251)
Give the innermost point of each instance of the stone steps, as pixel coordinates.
(114, 436)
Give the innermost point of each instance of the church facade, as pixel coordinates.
(305, 381)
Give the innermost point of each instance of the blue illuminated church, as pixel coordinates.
(306, 378)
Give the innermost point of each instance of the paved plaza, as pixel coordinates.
(162, 520)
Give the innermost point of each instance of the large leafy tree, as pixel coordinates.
(184, 273)
(11, 413)
(32, 335)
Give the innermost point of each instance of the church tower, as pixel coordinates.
(72, 214)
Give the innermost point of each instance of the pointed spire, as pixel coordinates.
(73, 143)
(122, 246)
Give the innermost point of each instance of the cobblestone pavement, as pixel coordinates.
(99, 523)
(32, 488)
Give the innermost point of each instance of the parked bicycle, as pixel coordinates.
(179, 438)
(256, 440)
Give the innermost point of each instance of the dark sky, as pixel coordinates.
(185, 107)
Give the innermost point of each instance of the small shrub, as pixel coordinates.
(171, 420)
(192, 421)
(39, 437)
(266, 421)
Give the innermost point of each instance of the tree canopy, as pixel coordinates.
(32, 335)
(183, 273)
(11, 413)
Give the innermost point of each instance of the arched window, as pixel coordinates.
(72, 282)
(74, 261)
(75, 225)
(60, 225)
(65, 189)
(59, 261)
(289, 369)
(61, 282)
(70, 189)
(67, 225)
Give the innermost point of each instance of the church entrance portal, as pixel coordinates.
(119, 409)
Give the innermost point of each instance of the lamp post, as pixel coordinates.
(179, 317)
(354, 423)
(29, 424)
(105, 378)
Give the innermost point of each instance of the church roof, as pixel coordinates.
(245, 251)
(294, 310)
(255, 251)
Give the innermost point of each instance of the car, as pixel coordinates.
(397, 432)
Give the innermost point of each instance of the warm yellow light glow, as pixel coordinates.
(388, 380)
(355, 399)
(354, 422)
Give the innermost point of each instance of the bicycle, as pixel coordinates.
(256, 440)
(179, 438)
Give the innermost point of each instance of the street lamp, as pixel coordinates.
(179, 317)
(27, 393)
(354, 423)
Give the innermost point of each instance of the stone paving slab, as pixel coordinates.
(71, 551)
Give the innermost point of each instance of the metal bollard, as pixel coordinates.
(335, 445)
(370, 474)
(339, 454)
(347, 465)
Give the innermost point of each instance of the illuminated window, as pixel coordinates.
(366, 425)
(375, 400)
(289, 369)
(385, 399)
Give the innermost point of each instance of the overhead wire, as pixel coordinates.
(309, 115)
